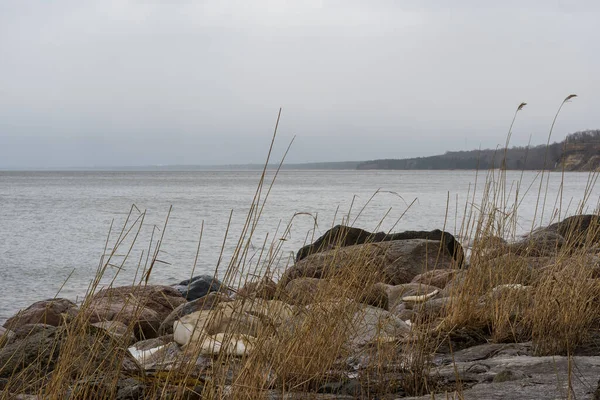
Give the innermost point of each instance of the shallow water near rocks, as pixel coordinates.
(54, 225)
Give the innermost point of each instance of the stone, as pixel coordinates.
(521, 377)
(405, 314)
(142, 307)
(397, 292)
(371, 324)
(232, 344)
(486, 351)
(433, 308)
(37, 352)
(99, 387)
(117, 330)
(454, 286)
(578, 229)
(207, 302)
(50, 312)
(437, 277)
(249, 318)
(342, 236)
(156, 354)
(29, 329)
(504, 292)
(304, 291)
(199, 286)
(5, 336)
(265, 289)
(543, 243)
(375, 295)
(393, 262)
(507, 375)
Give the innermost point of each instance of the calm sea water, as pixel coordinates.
(54, 225)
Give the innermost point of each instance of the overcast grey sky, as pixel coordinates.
(97, 83)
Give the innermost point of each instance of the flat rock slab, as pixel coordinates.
(521, 377)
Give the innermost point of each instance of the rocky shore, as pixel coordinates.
(358, 315)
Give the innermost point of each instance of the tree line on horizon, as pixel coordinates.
(517, 157)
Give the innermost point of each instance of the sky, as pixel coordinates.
(148, 82)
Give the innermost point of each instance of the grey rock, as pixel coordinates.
(393, 262)
(207, 302)
(38, 352)
(342, 236)
(524, 377)
(199, 286)
(578, 229)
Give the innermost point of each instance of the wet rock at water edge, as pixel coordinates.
(199, 286)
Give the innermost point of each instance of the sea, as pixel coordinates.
(59, 228)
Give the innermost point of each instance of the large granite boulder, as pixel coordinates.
(143, 307)
(50, 312)
(342, 236)
(393, 262)
(542, 243)
(199, 286)
(578, 229)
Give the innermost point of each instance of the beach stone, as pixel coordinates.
(454, 286)
(375, 295)
(265, 288)
(401, 311)
(578, 229)
(543, 243)
(304, 291)
(37, 352)
(249, 318)
(432, 309)
(5, 336)
(393, 262)
(49, 312)
(438, 277)
(99, 387)
(29, 329)
(522, 377)
(117, 330)
(507, 375)
(397, 292)
(371, 324)
(199, 286)
(143, 307)
(158, 353)
(207, 302)
(342, 236)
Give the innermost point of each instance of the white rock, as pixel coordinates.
(421, 298)
(232, 344)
